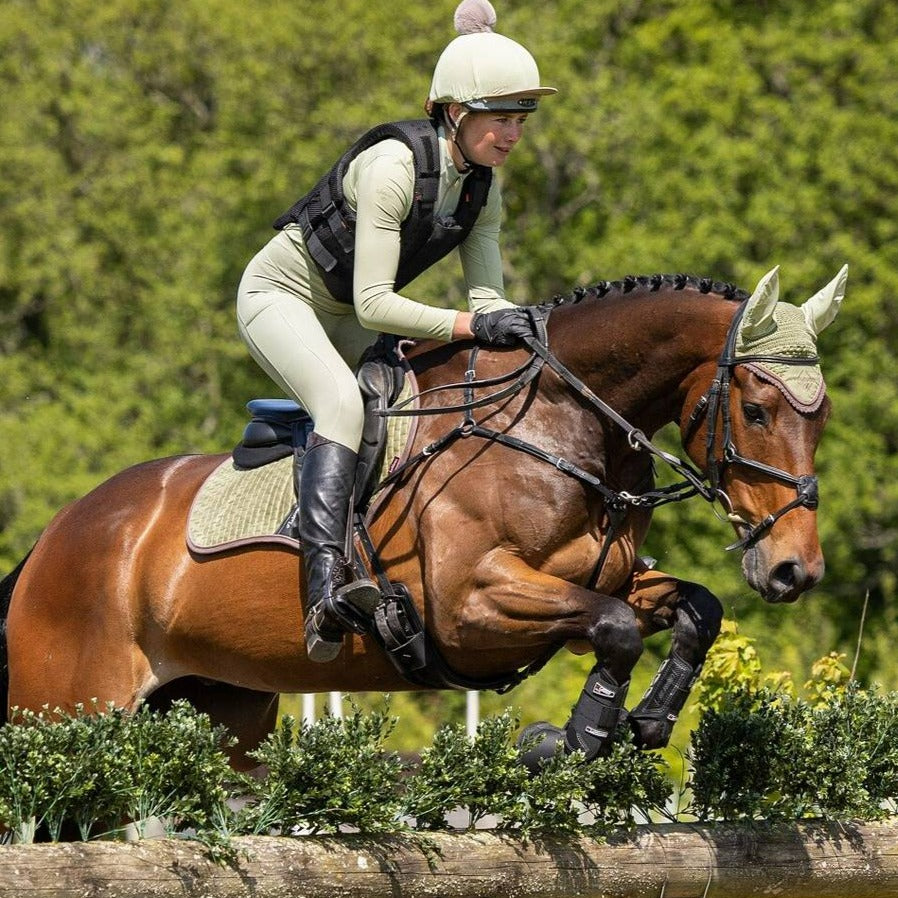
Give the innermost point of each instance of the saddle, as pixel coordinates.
(279, 428)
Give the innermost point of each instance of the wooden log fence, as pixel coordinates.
(807, 860)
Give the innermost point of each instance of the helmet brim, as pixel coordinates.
(515, 103)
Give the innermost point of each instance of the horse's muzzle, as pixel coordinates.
(788, 580)
(780, 578)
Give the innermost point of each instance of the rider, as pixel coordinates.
(308, 301)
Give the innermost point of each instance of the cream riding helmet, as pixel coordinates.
(485, 71)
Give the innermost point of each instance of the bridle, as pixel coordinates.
(713, 405)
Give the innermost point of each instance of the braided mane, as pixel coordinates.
(654, 283)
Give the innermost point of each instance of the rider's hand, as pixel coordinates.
(504, 327)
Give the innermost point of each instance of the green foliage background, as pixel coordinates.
(145, 147)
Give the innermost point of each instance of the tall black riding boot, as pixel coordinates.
(326, 484)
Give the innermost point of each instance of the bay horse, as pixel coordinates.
(519, 537)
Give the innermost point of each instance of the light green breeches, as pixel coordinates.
(305, 351)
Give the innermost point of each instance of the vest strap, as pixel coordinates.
(317, 250)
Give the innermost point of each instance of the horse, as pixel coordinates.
(516, 530)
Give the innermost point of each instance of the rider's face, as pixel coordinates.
(487, 138)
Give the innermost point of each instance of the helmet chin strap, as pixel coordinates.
(454, 129)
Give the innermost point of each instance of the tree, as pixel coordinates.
(147, 146)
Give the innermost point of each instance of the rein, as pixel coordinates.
(524, 373)
(715, 404)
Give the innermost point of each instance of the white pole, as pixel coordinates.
(472, 712)
(308, 708)
(335, 704)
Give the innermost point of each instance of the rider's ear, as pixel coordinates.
(757, 320)
(454, 114)
(820, 310)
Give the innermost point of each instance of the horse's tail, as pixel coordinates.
(7, 584)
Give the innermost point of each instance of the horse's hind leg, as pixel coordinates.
(247, 714)
(69, 641)
(694, 614)
(62, 676)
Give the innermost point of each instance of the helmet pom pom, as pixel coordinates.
(472, 16)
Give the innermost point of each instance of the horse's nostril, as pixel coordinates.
(788, 580)
(787, 573)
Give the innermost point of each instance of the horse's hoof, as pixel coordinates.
(649, 732)
(539, 743)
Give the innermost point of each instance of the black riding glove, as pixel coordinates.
(504, 327)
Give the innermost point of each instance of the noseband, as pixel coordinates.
(716, 405)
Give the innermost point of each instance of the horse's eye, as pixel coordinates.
(754, 414)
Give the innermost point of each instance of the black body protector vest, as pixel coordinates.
(328, 222)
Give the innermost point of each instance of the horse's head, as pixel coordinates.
(764, 417)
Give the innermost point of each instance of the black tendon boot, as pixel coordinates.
(590, 728)
(327, 480)
(654, 717)
(596, 715)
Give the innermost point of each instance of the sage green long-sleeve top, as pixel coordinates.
(379, 185)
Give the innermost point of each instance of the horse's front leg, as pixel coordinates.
(694, 615)
(518, 598)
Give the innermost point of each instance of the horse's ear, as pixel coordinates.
(757, 320)
(823, 306)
